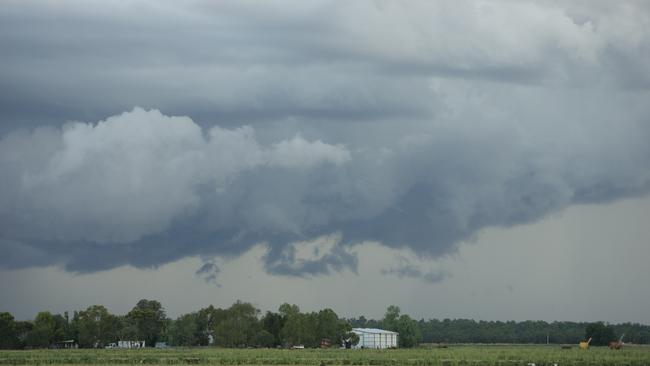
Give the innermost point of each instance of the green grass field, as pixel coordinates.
(452, 356)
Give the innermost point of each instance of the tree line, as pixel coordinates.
(524, 332)
(243, 325)
(240, 325)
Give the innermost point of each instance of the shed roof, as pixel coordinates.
(373, 331)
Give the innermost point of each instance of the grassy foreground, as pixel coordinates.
(452, 356)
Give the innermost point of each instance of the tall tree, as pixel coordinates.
(273, 323)
(329, 326)
(47, 329)
(96, 327)
(409, 331)
(184, 331)
(207, 319)
(8, 332)
(239, 327)
(71, 329)
(127, 329)
(390, 318)
(22, 330)
(345, 332)
(148, 318)
(298, 328)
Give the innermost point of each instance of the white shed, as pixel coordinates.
(375, 338)
(130, 344)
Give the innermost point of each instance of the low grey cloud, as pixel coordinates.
(327, 255)
(209, 272)
(412, 124)
(405, 269)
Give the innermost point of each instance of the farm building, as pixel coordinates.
(375, 338)
(126, 344)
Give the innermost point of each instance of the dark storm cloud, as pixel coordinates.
(279, 124)
(310, 59)
(209, 272)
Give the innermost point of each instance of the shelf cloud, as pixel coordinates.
(315, 122)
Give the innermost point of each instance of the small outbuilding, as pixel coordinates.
(66, 344)
(375, 338)
(130, 344)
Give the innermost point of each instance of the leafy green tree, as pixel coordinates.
(362, 322)
(273, 323)
(290, 334)
(206, 320)
(344, 330)
(60, 325)
(148, 319)
(165, 332)
(310, 329)
(47, 329)
(409, 332)
(127, 329)
(22, 330)
(184, 331)
(96, 327)
(8, 332)
(599, 333)
(390, 318)
(239, 326)
(328, 326)
(298, 328)
(287, 310)
(264, 338)
(71, 329)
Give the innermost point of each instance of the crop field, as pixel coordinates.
(452, 356)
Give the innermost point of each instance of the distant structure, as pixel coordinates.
(375, 338)
(325, 343)
(617, 344)
(126, 344)
(66, 344)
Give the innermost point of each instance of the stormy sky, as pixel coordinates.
(457, 152)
